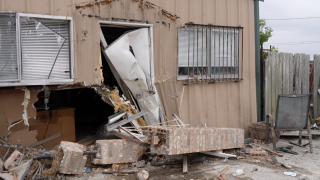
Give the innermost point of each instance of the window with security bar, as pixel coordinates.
(209, 53)
(35, 49)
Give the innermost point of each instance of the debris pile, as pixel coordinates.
(137, 148)
(133, 149)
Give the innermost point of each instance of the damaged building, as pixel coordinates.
(70, 67)
(193, 59)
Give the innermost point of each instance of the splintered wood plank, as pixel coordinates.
(285, 71)
(274, 56)
(291, 72)
(268, 86)
(305, 73)
(316, 77)
(297, 73)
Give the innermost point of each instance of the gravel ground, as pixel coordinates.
(305, 165)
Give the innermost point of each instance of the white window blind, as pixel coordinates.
(44, 48)
(8, 47)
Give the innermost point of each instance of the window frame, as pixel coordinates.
(17, 48)
(19, 81)
(139, 25)
(211, 78)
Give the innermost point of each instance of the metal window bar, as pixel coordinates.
(197, 45)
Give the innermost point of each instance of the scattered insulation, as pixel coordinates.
(113, 98)
(25, 105)
(122, 105)
(57, 157)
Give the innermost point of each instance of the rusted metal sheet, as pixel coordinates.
(117, 151)
(189, 140)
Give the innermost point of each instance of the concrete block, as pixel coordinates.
(12, 161)
(258, 153)
(117, 151)
(73, 160)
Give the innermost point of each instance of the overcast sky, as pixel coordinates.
(287, 31)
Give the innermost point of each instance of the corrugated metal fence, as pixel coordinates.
(286, 73)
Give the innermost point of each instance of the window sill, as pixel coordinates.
(37, 82)
(213, 77)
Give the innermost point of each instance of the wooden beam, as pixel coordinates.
(280, 155)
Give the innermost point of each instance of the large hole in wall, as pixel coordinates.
(85, 105)
(77, 114)
(89, 111)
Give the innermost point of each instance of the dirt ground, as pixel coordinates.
(305, 165)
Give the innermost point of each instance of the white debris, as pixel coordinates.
(290, 174)
(240, 172)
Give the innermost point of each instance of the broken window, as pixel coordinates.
(35, 48)
(209, 53)
(8, 47)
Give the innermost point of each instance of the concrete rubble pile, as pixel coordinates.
(129, 151)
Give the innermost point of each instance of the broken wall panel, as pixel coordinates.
(172, 141)
(62, 121)
(134, 68)
(11, 112)
(11, 108)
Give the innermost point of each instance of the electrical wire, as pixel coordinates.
(292, 19)
(294, 43)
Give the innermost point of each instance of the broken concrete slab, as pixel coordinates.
(117, 151)
(189, 140)
(73, 160)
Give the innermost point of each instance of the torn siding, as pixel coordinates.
(12, 110)
(25, 103)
